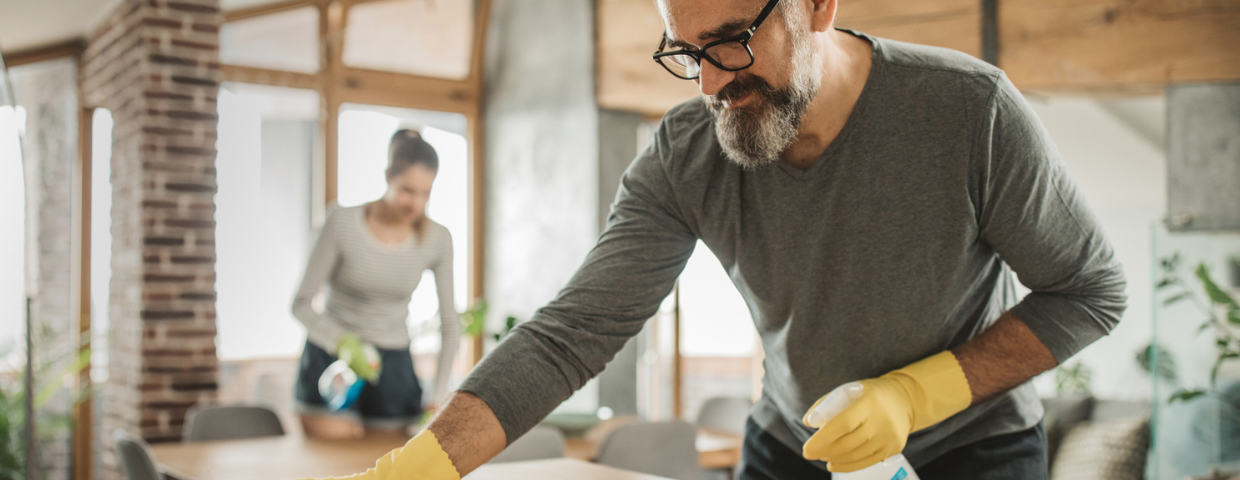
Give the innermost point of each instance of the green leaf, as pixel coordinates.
(1177, 297)
(1158, 361)
(1204, 326)
(1216, 294)
(1167, 282)
(1233, 317)
(1185, 395)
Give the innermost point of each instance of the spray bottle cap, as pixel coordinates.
(836, 402)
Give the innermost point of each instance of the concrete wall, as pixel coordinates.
(542, 154)
(618, 144)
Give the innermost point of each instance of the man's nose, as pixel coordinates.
(712, 79)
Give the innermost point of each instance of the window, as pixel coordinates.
(267, 137)
(279, 41)
(12, 237)
(422, 37)
(100, 241)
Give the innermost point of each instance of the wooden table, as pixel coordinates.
(293, 456)
(716, 448)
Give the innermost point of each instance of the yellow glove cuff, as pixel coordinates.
(421, 458)
(936, 387)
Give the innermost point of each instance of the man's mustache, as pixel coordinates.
(739, 87)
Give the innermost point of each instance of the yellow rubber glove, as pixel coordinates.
(877, 424)
(421, 458)
(362, 358)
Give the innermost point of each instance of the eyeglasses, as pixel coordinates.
(729, 54)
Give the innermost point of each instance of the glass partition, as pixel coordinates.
(1196, 414)
(12, 280)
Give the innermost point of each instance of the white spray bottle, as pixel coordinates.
(895, 467)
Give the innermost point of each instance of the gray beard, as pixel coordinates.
(755, 135)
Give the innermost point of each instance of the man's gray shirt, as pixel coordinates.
(895, 245)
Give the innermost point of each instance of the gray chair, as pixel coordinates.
(231, 423)
(725, 413)
(135, 456)
(539, 443)
(663, 448)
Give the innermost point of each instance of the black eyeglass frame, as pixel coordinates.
(698, 55)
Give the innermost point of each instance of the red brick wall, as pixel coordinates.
(155, 64)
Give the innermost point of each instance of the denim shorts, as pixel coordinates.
(394, 400)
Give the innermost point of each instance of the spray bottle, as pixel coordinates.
(340, 386)
(895, 467)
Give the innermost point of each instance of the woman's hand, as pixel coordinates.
(363, 358)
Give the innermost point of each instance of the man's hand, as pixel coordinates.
(464, 435)
(877, 424)
(421, 458)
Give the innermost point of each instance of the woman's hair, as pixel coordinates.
(407, 149)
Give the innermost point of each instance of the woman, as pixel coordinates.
(372, 256)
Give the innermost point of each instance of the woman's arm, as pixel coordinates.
(449, 321)
(320, 329)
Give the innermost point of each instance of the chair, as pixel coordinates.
(541, 442)
(231, 423)
(135, 456)
(725, 413)
(662, 448)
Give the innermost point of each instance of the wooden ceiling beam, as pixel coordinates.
(374, 87)
(954, 24)
(1076, 46)
(268, 9)
(275, 78)
(71, 48)
(1054, 47)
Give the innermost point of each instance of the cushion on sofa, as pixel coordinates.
(1104, 450)
(1063, 413)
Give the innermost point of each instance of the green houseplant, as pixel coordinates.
(1221, 316)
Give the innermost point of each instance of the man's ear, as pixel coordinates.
(822, 15)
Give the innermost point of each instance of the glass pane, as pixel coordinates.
(279, 41)
(421, 37)
(12, 237)
(267, 137)
(365, 132)
(1195, 436)
(100, 241)
(717, 337)
(47, 92)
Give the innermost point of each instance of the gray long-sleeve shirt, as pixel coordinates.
(371, 284)
(895, 245)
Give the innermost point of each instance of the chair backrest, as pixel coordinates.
(135, 456)
(725, 413)
(231, 423)
(539, 443)
(662, 448)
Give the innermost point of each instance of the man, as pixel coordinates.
(866, 197)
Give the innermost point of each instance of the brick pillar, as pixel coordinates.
(155, 64)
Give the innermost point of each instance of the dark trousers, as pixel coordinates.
(395, 396)
(1015, 456)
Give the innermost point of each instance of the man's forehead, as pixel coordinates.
(695, 21)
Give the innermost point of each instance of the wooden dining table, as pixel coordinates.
(294, 457)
